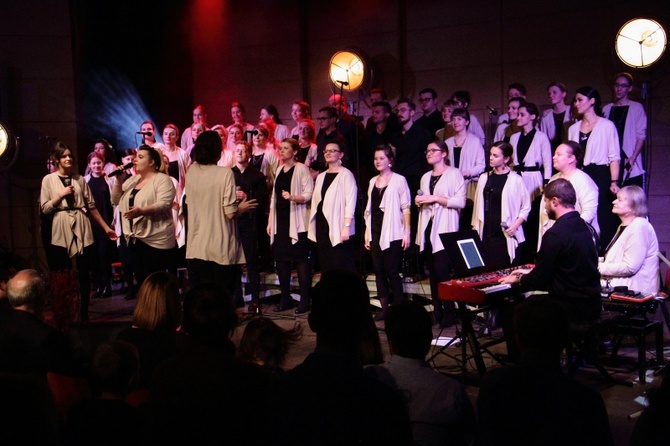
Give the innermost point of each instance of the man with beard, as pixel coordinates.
(567, 263)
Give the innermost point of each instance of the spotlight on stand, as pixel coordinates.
(9, 146)
(640, 42)
(348, 71)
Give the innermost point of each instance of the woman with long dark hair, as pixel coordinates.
(502, 205)
(598, 137)
(65, 194)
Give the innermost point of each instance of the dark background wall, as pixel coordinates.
(80, 70)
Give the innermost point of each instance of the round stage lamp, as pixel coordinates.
(4, 140)
(347, 70)
(640, 42)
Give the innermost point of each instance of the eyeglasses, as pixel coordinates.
(431, 151)
(621, 86)
(425, 99)
(323, 118)
(332, 151)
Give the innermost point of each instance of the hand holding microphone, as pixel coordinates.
(418, 201)
(121, 169)
(506, 229)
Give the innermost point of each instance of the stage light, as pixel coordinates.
(4, 140)
(114, 109)
(9, 147)
(640, 42)
(347, 70)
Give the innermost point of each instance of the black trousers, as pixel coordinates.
(205, 271)
(386, 266)
(147, 259)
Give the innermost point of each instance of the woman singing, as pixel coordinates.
(567, 160)
(631, 258)
(443, 196)
(145, 201)
(502, 205)
(65, 194)
(387, 222)
(287, 225)
(598, 137)
(331, 222)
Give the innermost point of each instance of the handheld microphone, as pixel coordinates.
(492, 110)
(67, 181)
(238, 188)
(144, 133)
(419, 192)
(120, 169)
(505, 226)
(70, 198)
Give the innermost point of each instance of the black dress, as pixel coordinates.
(285, 250)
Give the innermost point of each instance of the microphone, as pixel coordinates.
(505, 226)
(418, 194)
(492, 110)
(70, 198)
(238, 188)
(144, 133)
(120, 169)
(345, 83)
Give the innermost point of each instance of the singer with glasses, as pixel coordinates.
(331, 222)
(65, 195)
(502, 205)
(440, 199)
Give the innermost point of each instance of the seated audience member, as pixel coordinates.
(265, 343)
(156, 319)
(27, 343)
(652, 428)
(204, 395)
(329, 398)
(631, 258)
(534, 403)
(108, 419)
(28, 414)
(439, 408)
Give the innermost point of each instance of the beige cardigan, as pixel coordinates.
(156, 229)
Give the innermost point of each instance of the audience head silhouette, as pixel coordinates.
(409, 330)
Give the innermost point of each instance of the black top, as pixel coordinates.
(493, 203)
(583, 140)
(376, 214)
(432, 122)
(67, 181)
(410, 159)
(457, 156)
(251, 182)
(173, 170)
(327, 181)
(618, 115)
(559, 136)
(567, 267)
(523, 145)
(283, 183)
(103, 203)
(257, 161)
